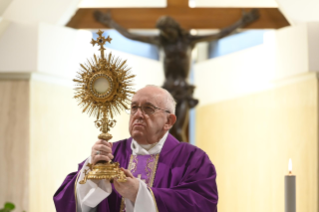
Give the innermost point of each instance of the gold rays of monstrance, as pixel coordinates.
(103, 90)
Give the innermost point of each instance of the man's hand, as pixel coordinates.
(251, 16)
(104, 18)
(104, 149)
(128, 189)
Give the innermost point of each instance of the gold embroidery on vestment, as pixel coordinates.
(151, 167)
(133, 163)
(150, 189)
(152, 173)
(75, 193)
(130, 165)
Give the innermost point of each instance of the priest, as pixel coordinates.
(162, 173)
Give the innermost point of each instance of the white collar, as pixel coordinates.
(137, 149)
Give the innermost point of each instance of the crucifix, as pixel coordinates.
(177, 44)
(176, 41)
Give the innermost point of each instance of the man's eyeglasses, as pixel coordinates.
(147, 109)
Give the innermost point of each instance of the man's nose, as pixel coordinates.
(139, 112)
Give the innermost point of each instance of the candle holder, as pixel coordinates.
(103, 89)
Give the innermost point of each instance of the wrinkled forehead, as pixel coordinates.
(151, 96)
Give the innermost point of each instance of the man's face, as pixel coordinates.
(146, 128)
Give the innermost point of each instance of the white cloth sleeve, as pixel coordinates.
(90, 194)
(144, 200)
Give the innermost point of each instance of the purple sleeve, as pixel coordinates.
(196, 191)
(64, 198)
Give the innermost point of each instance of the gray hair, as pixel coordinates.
(170, 101)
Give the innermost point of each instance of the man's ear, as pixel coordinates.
(171, 119)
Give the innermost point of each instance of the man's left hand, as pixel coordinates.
(129, 188)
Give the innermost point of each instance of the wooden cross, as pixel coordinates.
(189, 18)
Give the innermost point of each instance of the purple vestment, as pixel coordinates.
(184, 180)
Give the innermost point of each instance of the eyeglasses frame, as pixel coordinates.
(142, 110)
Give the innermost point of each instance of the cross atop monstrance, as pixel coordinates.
(101, 40)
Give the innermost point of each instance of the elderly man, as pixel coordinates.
(162, 173)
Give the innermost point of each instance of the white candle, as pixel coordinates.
(290, 190)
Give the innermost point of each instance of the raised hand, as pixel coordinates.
(104, 18)
(101, 151)
(248, 17)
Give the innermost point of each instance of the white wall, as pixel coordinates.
(18, 48)
(300, 11)
(285, 53)
(3, 5)
(57, 12)
(122, 3)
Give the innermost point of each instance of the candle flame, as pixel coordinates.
(290, 166)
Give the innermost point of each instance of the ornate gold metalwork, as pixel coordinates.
(104, 170)
(103, 89)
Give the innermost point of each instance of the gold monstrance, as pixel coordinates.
(103, 90)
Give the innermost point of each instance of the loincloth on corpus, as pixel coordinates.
(182, 93)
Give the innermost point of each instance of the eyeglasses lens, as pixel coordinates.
(146, 109)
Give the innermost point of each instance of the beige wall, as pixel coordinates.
(251, 138)
(14, 143)
(60, 138)
(284, 53)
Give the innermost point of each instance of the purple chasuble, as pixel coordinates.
(185, 179)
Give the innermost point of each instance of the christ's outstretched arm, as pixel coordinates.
(106, 19)
(246, 19)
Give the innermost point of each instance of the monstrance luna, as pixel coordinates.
(104, 89)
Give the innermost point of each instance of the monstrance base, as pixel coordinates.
(105, 170)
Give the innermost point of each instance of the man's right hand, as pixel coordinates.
(104, 149)
(104, 18)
